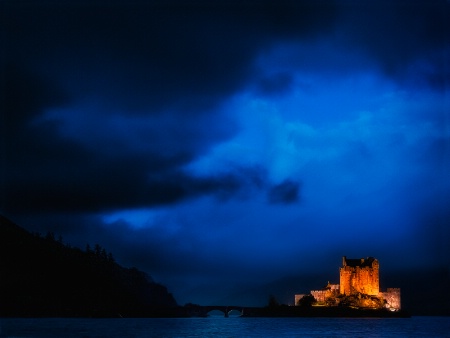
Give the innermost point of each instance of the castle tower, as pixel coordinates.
(359, 275)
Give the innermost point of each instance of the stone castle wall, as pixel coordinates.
(331, 290)
(363, 279)
(319, 295)
(392, 298)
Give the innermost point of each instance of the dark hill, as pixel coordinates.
(43, 277)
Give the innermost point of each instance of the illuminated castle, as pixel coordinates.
(359, 287)
(359, 275)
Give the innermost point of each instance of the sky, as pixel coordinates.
(217, 144)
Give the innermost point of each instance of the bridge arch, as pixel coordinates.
(235, 313)
(193, 310)
(226, 310)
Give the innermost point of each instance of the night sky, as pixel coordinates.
(217, 144)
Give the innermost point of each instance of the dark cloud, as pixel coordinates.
(182, 54)
(48, 171)
(178, 59)
(100, 184)
(25, 94)
(276, 84)
(396, 33)
(286, 192)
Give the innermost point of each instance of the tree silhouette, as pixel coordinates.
(103, 254)
(44, 278)
(97, 250)
(273, 303)
(50, 236)
(306, 301)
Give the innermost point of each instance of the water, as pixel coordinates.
(227, 327)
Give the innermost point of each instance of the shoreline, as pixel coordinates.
(338, 312)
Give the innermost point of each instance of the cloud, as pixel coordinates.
(276, 84)
(396, 33)
(284, 193)
(26, 94)
(85, 158)
(155, 55)
(123, 101)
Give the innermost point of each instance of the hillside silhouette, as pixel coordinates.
(41, 276)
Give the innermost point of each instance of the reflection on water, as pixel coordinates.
(217, 325)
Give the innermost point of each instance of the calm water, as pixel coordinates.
(228, 327)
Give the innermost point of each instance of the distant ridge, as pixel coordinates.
(42, 277)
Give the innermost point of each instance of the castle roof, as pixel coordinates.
(361, 262)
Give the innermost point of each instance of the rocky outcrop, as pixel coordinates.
(360, 301)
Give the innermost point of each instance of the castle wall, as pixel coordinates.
(363, 279)
(345, 276)
(319, 295)
(393, 299)
(331, 290)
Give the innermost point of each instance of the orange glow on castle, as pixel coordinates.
(359, 287)
(359, 275)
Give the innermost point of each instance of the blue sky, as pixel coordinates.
(220, 145)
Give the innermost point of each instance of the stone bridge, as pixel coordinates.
(202, 311)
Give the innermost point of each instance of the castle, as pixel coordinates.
(359, 275)
(358, 287)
